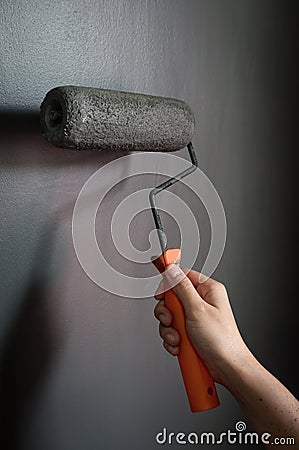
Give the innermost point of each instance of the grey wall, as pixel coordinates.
(83, 369)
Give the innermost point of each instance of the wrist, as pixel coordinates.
(236, 367)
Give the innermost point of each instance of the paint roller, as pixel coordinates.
(86, 118)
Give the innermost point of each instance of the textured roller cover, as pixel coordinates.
(98, 119)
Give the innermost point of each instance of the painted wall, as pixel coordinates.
(84, 369)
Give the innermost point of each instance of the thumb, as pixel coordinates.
(184, 289)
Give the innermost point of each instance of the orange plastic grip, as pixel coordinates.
(199, 384)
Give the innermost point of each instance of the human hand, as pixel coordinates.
(212, 329)
(210, 323)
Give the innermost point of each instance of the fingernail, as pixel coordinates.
(169, 338)
(172, 271)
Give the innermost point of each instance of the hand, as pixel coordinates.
(212, 329)
(210, 323)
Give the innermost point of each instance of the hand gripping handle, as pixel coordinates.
(199, 384)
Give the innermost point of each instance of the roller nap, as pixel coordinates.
(98, 119)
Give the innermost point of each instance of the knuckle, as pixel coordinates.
(171, 337)
(196, 314)
(185, 284)
(176, 338)
(217, 286)
(198, 307)
(165, 345)
(158, 310)
(169, 348)
(221, 288)
(221, 285)
(162, 331)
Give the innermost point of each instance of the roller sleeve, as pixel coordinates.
(98, 119)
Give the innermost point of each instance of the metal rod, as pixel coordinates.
(165, 185)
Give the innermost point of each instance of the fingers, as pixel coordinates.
(163, 314)
(169, 335)
(209, 289)
(183, 287)
(171, 339)
(193, 276)
(172, 350)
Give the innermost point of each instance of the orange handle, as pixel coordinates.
(199, 384)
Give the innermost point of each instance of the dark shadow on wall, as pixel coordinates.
(30, 345)
(22, 144)
(29, 349)
(19, 121)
